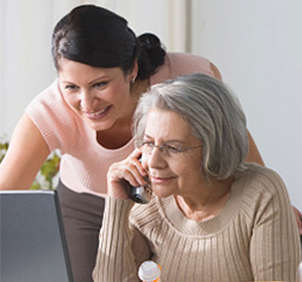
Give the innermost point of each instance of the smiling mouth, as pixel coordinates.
(99, 114)
(159, 180)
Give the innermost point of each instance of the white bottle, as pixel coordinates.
(149, 271)
(299, 273)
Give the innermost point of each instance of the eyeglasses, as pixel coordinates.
(168, 149)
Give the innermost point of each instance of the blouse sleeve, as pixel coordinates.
(121, 246)
(275, 250)
(54, 119)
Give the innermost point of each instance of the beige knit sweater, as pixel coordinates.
(254, 237)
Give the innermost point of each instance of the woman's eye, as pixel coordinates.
(100, 84)
(70, 87)
(147, 146)
(172, 149)
(147, 143)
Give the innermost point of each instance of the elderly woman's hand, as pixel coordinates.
(130, 170)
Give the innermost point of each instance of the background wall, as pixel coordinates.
(255, 44)
(258, 48)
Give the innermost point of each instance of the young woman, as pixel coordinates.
(86, 113)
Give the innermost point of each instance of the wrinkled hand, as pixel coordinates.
(298, 215)
(130, 170)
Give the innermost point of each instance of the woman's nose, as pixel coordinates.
(155, 159)
(88, 100)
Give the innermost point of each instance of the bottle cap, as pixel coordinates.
(148, 271)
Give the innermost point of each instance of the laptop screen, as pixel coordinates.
(32, 241)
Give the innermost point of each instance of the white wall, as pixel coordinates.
(257, 45)
(25, 55)
(167, 19)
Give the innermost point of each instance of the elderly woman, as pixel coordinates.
(212, 217)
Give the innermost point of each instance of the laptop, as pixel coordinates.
(32, 242)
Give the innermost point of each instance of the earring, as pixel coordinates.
(133, 79)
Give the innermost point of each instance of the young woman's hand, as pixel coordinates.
(130, 170)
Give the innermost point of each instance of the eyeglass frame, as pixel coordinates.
(166, 149)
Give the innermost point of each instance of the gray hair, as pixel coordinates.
(215, 116)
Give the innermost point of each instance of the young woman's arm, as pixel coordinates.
(26, 153)
(253, 154)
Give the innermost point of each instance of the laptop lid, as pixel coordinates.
(32, 241)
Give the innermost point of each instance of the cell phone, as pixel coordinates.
(140, 194)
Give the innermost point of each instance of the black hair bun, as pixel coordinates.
(149, 41)
(152, 55)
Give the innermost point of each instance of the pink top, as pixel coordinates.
(85, 162)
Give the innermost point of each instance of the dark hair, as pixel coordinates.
(100, 38)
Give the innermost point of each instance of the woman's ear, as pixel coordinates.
(134, 72)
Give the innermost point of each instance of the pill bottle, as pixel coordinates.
(149, 271)
(299, 273)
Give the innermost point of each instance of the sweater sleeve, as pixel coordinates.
(275, 249)
(116, 259)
